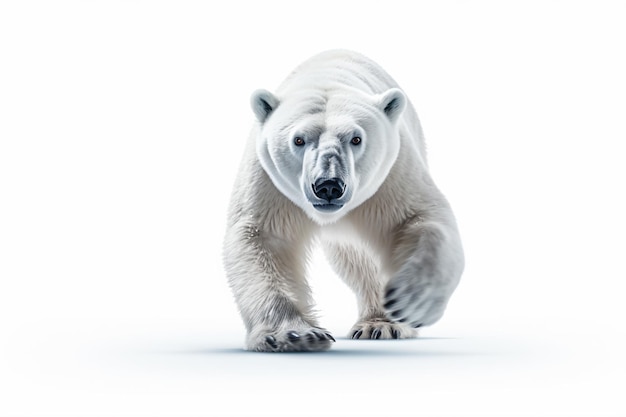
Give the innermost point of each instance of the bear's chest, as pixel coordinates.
(342, 232)
(352, 232)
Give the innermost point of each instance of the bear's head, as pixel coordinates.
(328, 151)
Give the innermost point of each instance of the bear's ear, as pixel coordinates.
(392, 102)
(263, 104)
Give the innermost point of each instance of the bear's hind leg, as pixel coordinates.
(362, 274)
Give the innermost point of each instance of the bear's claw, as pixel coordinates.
(379, 328)
(293, 336)
(301, 340)
(413, 302)
(271, 340)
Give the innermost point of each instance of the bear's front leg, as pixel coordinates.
(428, 262)
(266, 273)
(361, 272)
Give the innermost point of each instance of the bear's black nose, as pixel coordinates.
(328, 189)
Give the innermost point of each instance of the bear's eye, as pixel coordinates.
(298, 141)
(356, 140)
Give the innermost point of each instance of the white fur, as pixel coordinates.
(389, 232)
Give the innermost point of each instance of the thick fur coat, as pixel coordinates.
(337, 156)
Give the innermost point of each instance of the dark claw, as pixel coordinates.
(271, 341)
(395, 314)
(330, 336)
(390, 303)
(402, 320)
(389, 293)
(395, 334)
(357, 334)
(417, 325)
(311, 337)
(293, 336)
(376, 334)
(319, 335)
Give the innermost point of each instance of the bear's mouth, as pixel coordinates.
(327, 208)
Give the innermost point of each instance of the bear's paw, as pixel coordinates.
(313, 339)
(414, 302)
(381, 329)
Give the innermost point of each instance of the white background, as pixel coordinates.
(121, 128)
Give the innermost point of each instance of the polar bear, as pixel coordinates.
(337, 157)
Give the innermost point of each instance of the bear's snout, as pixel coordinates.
(329, 189)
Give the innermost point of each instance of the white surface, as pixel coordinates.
(121, 127)
(176, 367)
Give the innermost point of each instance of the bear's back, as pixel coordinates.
(339, 68)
